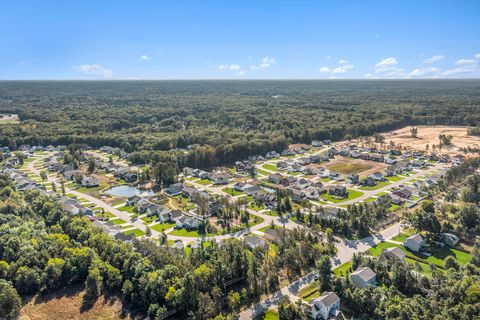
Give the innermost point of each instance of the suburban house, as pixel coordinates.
(418, 163)
(398, 168)
(133, 200)
(317, 143)
(254, 191)
(363, 278)
(89, 182)
(414, 243)
(403, 193)
(378, 176)
(368, 182)
(288, 181)
(130, 177)
(241, 186)
(298, 195)
(325, 306)
(376, 157)
(353, 178)
(219, 179)
(188, 192)
(255, 242)
(324, 173)
(188, 222)
(450, 239)
(336, 176)
(275, 178)
(174, 189)
(302, 183)
(339, 191)
(282, 165)
(393, 253)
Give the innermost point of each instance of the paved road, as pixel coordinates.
(346, 249)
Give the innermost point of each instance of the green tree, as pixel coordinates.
(324, 269)
(10, 302)
(93, 283)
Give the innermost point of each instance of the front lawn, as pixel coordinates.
(269, 167)
(204, 182)
(232, 191)
(342, 270)
(377, 249)
(162, 226)
(352, 194)
(184, 233)
(263, 172)
(128, 209)
(394, 178)
(117, 221)
(135, 232)
(255, 206)
(150, 219)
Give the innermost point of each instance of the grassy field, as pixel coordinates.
(128, 209)
(270, 167)
(149, 219)
(184, 233)
(341, 270)
(394, 178)
(352, 194)
(117, 221)
(232, 191)
(269, 315)
(349, 167)
(263, 172)
(379, 185)
(204, 182)
(162, 226)
(135, 232)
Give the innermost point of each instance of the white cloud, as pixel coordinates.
(434, 59)
(95, 70)
(477, 56)
(341, 61)
(325, 70)
(425, 73)
(386, 63)
(465, 62)
(387, 69)
(266, 62)
(241, 72)
(230, 67)
(343, 69)
(145, 57)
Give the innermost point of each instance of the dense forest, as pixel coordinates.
(223, 121)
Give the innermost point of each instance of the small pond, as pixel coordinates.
(127, 191)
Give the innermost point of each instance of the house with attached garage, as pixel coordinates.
(219, 179)
(325, 307)
(130, 177)
(363, 278)
(241, 186)
(403, 193)
(133, 200)
(298, 195)
(89, 182)
(254, 191)
(275, 178)
(338, 191)
(255, 242)
(288, 181)
(414, 243)
(450, 239)
(353, 178)
(317, 143)
(376, 157)
(304, 161)
(282, 165)
(378, 176)
(302, 183)
(324, 173)
(400, 167)
(336, 176)
(393, 253)
(174, 189)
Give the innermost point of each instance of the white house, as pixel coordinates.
(394, 253)
(328, 304)
(414, 243)
(363, 277)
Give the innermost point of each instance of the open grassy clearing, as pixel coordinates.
(117, 221)
(394, 178)
(135, 232)
(204, 182)
(269, 167)
(162, 226)
(349, 167)
(128, 209)
(342, 269)
(232, 191)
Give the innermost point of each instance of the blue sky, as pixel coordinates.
(259, 39)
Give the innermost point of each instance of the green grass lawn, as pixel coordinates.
(393, 207)
(352, 194)
(263, 172)
(204, 182)
(377, 249)
(400, 237)
(256, 207)
(394, 178)
(128, 209)
(271, 213)
(162, 226)
(270, 167)
(149, 219)
(309, 292)
(232, 191)
(184, 233)
(269, 315)
(379, 185)
(105, 214)
(135, 232)
(117, 221)
(342, 270)
(371, 199)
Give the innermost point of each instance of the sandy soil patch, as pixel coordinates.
(69, 304)
(428, 135)
(9, 118)
(357, 166)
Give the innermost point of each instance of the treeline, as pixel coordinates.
(223, 121)
(44, 249)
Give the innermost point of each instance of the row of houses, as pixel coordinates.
(21, 180)
(216, 178)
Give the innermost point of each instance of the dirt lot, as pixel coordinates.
(9, 118)
(68, 304)
(429, 135)
(357, 166)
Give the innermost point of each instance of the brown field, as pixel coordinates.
(9, 118)
(429, 135)
(68, 304)
(355, 166)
